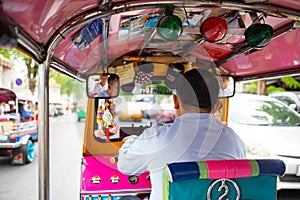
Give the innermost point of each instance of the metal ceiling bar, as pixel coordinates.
(105, 39)
(150, 36)
(60, 67)
(290, 72)
(231, 4)
(147, 40)
(26, 42)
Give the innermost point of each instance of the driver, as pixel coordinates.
(195, 135)
(112, 88)
(23, 113)
(225, 87)
(102, 85)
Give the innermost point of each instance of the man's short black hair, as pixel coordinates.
(198, 88)
(112, 78)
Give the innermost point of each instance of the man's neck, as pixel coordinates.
(193, 110)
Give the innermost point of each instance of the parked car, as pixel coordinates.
(269, 129)
(144, 103)
(162, 111)
(81, 114)
(56, 109)
(80, 108)
(289, 98)
(128, 110)
(146, 106)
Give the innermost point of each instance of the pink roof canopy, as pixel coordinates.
(73, 33)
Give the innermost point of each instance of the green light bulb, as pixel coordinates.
(170, 27)
(259, 35)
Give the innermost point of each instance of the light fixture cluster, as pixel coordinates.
(214, 29)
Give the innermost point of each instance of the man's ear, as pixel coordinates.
(176, 101)
(216, 107)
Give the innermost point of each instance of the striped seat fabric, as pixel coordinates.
(222, 179)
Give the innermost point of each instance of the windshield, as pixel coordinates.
(133, 111)
(263, 112)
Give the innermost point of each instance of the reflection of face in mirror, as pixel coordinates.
(112, 87)
(225, 82)
(101, 85)
(103, 80)
(226, 86)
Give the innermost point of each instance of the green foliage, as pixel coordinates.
(59, 78)
(251, 87)
(68, 85)
(79, 90)
(13, 54)
(290, 82)
(272, 89)
(32, 66)
(160, 87)
(4, 52)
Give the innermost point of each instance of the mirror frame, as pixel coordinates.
(100, 74)
(233, 86)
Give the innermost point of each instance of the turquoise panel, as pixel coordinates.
(251, 188)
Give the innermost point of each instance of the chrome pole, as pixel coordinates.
(43, 133)
(105, 39)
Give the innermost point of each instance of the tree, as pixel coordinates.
(291, 82)
(251, 87)
(5, 52)
(68, 85)
(259, 87)
(32, 66)
(273, 89)
(32, 70)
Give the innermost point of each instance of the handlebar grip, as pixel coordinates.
(114, 159)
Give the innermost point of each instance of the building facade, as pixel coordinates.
(6, 79)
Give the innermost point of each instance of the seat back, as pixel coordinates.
(222, 180)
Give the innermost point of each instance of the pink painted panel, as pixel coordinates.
(281, 53)
(295, 5)
(40, 19)
(102, 166)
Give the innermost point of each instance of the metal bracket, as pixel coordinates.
(106, 5)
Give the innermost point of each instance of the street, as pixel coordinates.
(21, 182)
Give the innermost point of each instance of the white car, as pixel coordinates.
(162, 110)
(269, 129)
(289, 98)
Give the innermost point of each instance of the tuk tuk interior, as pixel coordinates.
(146, 43)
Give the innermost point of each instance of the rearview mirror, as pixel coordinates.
(102, 86)
(227, 86)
